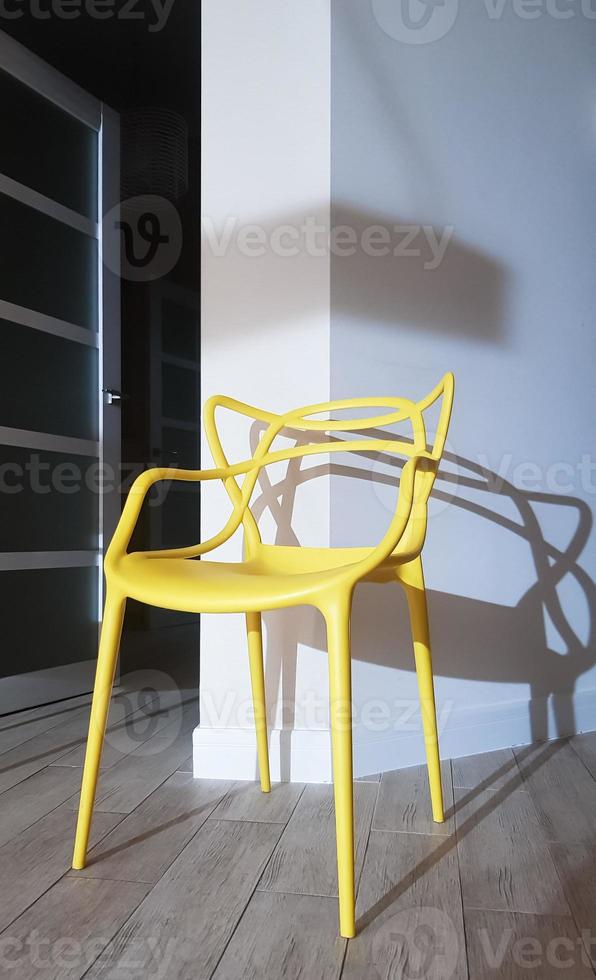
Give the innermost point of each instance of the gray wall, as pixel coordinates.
(487, 136)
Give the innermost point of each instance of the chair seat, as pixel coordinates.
(280, 576)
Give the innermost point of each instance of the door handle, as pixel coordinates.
(112, 396)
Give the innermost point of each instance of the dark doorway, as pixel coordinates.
(143, 60)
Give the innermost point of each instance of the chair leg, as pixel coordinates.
(412, 578)
(257, 679)
(104, 680)
(340, 704)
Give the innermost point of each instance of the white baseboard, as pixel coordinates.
(305, 755)
(297, 756)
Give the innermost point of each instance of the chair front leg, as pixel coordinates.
(104, 681)
(412, 578)
(257, 679)
(337, 617)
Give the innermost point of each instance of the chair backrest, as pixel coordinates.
(398, 410)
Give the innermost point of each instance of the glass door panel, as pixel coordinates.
(47, 265)
(47, 149)
(61, 372)
(39, 604)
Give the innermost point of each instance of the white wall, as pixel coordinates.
(485, 139)
(489, 131)
(265, 327)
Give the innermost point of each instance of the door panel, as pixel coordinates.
(60, 341)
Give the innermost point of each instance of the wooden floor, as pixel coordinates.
(198, 879)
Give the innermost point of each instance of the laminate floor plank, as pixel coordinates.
(124, 786)
(123, 703)
(126, 734)
(409, 911)
(563, 791)
(512, 946)
(585, 746)
(20, 727)
(33, 721)
(43, 711)
(576, 865)
(68, 740)
(183, 718)
(186, 921)
(147, 841)
(245, 801)
(505, 863)
(404, 803)
(35, 860)
(30, 800)
(293, 937)
(490, 770)
(32, 756)
(305, 861)
(61, 935)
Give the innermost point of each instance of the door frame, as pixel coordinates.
(162, 290)
(51, 684)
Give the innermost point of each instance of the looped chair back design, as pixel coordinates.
(299, 420)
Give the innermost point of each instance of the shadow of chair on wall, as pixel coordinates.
(464, 294)
(473, 640)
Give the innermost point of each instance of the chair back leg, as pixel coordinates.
(104, 681)
(257, 680)
(411, 577)
(337, 617)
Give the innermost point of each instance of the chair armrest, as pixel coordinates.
(132, 508)
(411, 491)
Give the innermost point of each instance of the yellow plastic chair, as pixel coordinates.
(276, 577)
